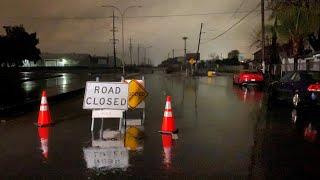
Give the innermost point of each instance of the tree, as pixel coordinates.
(297, 20)
(214, 56)
(314, 40)
(18, 45)
(234, 54)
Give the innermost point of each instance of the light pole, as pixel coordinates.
(122, 14)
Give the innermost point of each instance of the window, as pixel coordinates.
(287, 77)
(296, 77)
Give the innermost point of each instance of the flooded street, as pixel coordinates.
(224, 132)
(28, 86)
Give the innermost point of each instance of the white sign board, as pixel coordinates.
(107, 113)
(106, 158)
(106, 95)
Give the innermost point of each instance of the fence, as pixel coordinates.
(312, 64)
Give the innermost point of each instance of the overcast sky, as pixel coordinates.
(84, 26)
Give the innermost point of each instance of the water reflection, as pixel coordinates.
(210, 81)
(133, 139)
(167, 145)
(310, 133)
(28, 86)
(106, 158)
(306, 123)
(248, 94)
(111, 149)
(106, 153)
(44, 140)
(294, 116)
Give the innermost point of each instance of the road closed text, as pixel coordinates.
(106, 101)
(105, 95)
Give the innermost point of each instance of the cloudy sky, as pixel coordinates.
(84, 26)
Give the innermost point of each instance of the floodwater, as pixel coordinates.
(224, 132)
(28, 86)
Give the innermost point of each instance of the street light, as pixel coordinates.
(122, 13)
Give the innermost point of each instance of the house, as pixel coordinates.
(60, 60)
(73, 59)
(65, 59)
(103, 61)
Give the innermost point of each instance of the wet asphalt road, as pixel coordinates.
(224, 132)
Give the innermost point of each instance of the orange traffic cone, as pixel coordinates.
(168, 123)
(167, 144)
(44, 118)
(44, 139)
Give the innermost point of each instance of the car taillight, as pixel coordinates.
(314, 88)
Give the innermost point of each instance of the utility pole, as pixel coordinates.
(138, 53)
(107, 59)
(130, 51)
(185, 53)
(198, 55)
(114, 43)
(185, 48)
(172, 54)
(145, 56)
(122, 14)
(262, 37)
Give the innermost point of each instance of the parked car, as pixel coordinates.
(298, 88)
(248, 78)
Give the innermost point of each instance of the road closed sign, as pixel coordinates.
(106, 95)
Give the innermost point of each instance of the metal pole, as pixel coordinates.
(262, 34)
(185, 53)
(114, 44)
(198, 56)
(172, 54)
(101, 129)
(92, 124)
(138, 54)
(130, 50)
(123, 70)
(145, 54)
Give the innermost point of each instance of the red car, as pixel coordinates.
(248, 78)
(314, 93)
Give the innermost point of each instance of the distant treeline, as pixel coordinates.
(17, 46)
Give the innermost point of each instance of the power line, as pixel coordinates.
(236, 11)
(185, 15)
(146, 16)
(235, 24)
